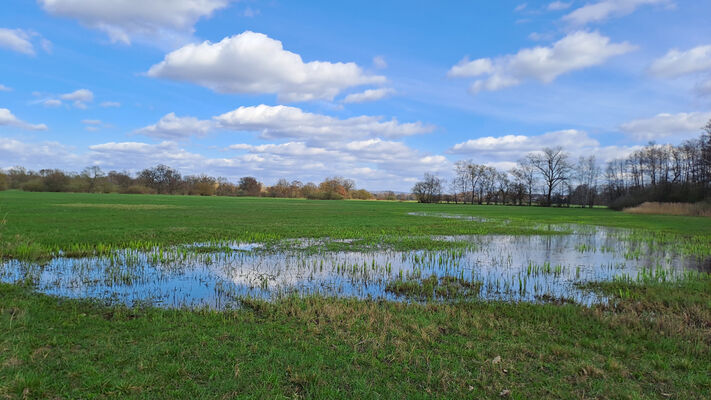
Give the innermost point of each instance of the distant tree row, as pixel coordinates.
(165, 180)
(661, 173)
(549, 177)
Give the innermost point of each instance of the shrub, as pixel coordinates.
(33, 185)
(139, 189)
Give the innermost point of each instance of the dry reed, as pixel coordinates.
(691, 209)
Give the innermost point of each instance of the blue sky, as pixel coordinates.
(379, 92)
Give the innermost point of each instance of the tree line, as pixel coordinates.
(659, 173)
(163, 179)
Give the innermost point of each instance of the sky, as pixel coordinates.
(379, 92)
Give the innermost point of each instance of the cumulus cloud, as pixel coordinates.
(140, 155)
(36, 155)
(8, 119)
(78, 98)
(275, 122)
(381, 162)
(4, 88)
(605, 9)
(509, 148)
(285, 149)
(373, 163)
(17, 40)
(575, 51)
(255, 63)
(681, 125)
(368, 95)
(174, 127)
(677, 63)
(123, 20)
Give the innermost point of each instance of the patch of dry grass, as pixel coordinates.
(690, 209)
(121, 206)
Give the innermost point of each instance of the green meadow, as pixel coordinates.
(650, 340)
(39, 224)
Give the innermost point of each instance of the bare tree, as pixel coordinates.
(429, 190)
(249, 186)
(161, 178)
(92, 175)
(554, 167)
(587, 172)
(525, 174)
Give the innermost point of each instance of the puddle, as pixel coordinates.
(453, 216)
(510, 268)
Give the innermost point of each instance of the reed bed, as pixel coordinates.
(688, 209)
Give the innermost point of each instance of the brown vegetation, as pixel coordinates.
(691, 209)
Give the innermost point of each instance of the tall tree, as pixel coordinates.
(429, 190)
(525, 175)
(554, 167)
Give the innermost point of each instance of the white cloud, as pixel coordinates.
(537, 36)
(137, 154)
(291, 122)
(83, 95)
(605, 9)
(467, 69)
(36, 155)
(8, 119)
(51, 103)
(558, 5)
(576, 51)
(285, 149)
(91, 122)
(368, 95)
(4, 88)
(16, 40)
(677, 63)
(681, 125)
(384, 164)
(123, 20)
(523, 144)
(79, 98)
(509, 148)
(174, 127)
(110, 104)
(255, 63)
(379, 62)
(520, 7)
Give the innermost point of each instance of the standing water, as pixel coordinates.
(504, 267)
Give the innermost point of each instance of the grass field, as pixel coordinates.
(41, 223)
(652, 341)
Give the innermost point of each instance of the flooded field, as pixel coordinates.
(535, 268)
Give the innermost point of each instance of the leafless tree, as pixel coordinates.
(553, 166)
(429, 190)
(525, 174)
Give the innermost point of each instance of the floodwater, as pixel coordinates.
(510, 268)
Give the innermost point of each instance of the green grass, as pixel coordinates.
(432, 287)
(654, 345)
(39, 224)
(653, 340)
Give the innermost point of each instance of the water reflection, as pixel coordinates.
(511, 268)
